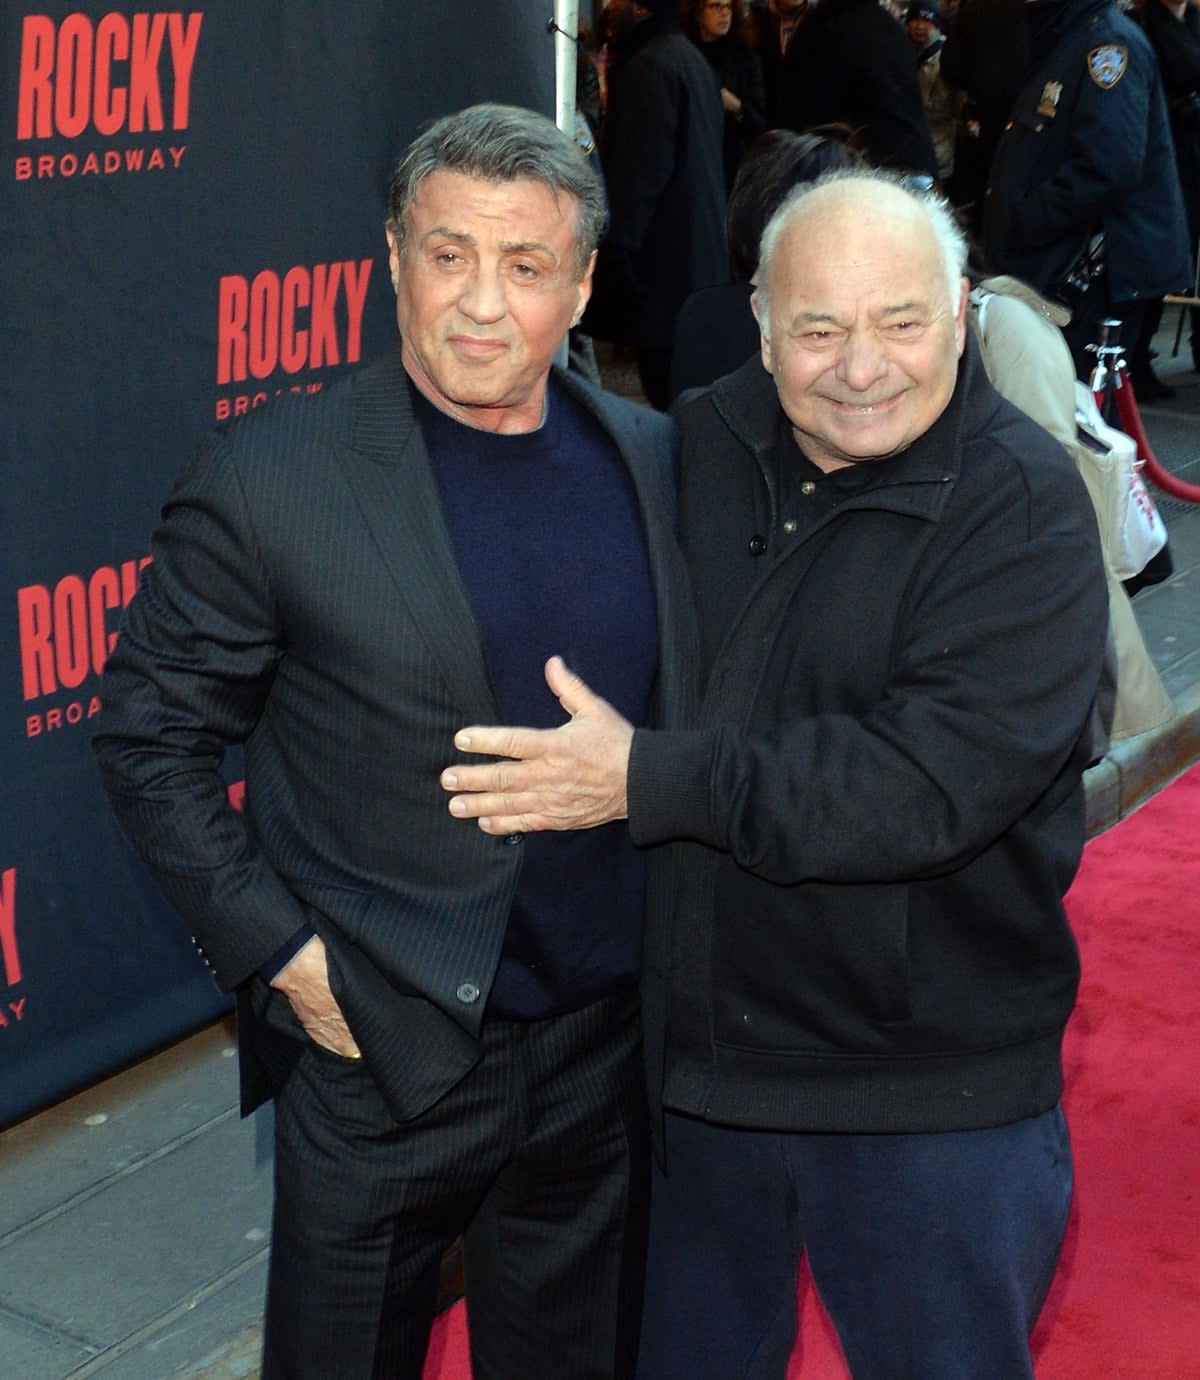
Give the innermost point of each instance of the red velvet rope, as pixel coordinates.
(1131, 424)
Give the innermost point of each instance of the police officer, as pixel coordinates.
(1087, 151)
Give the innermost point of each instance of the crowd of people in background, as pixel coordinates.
(1065, 133)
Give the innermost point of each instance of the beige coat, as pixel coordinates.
(1028, 361)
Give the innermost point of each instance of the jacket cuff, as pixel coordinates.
(282, 956)
(668, 787)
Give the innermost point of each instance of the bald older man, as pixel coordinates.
(856, 993)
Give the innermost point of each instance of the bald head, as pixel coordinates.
(862, 308)
(873, 204)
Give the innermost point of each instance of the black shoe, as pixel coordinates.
(1148, 387)
(1157, 569)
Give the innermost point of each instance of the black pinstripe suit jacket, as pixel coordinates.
(303, 599)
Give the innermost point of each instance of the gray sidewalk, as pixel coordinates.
(134, 1216)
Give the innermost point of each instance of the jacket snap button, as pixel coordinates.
(467, 993)
(513, 838)
(757, 545)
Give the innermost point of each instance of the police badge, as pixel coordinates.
(1106, 65)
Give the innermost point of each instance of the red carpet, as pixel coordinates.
(1125, 1304)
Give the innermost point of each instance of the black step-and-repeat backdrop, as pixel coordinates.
(192, 207)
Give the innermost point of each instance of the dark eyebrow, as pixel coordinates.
(528, 247)
(818, 318)
(444, 232)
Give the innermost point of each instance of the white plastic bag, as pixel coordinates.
(1131, 527)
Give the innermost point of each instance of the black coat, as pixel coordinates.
(764, 27)
(661, 147)
(1176, 44)
(304, 599)
(882, 795)
(852, 63)
(715, 334)
(986, 55)
(1089, 148)
(738, 70)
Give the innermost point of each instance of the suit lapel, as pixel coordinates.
(389, 472)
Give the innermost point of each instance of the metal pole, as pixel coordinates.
(566, 19)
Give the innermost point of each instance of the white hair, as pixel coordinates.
(951, 241)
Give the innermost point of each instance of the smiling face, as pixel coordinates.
(864, 337)
(487, 286)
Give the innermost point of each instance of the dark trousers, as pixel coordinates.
(537, 1158)
(931, 1253)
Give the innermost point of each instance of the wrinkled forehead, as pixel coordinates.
(847, 247)
(864, 213)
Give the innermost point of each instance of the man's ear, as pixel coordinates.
(757, 306)
(585, 288)
(960, 316)
(393, 258)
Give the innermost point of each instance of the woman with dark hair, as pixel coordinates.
(715, 331)
(780, 160)
(718, 28)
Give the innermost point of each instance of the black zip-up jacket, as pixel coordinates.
(1088, 148)
(882, 796)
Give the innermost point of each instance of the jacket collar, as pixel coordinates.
(388, 469)
(382, 418)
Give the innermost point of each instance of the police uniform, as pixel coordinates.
(1088, 148)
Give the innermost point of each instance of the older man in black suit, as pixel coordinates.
(446, 1020)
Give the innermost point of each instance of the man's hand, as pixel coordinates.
(571, 777)
(305, 982)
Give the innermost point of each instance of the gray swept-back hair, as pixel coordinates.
(502, 143)
(951, 240)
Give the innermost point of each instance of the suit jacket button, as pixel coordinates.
(514, 838)
(756, 545)
(467, 993)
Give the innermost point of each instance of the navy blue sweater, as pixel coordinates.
(549, 542)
